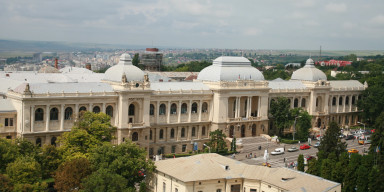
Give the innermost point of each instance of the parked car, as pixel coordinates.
(342, 136)
(316, 145)
(293, 149)
(278, 151)
(305, 146)
(309, 157)
(349, 137)
(353, 151)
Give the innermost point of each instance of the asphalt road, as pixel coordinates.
(278, 160)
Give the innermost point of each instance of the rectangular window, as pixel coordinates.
(253, 190)
(10, 121)
(184, 148)
(173, 150)
(164, 187)
(6, 122)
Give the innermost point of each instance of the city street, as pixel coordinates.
(278, 160)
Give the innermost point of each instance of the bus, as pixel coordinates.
(365, 139)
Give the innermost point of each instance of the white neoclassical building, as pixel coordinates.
(168, 117)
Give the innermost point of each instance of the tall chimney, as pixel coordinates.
(56, 63)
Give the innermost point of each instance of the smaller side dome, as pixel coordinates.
(308, 73)
(124, 67)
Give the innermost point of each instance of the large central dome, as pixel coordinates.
(227, 68)
(308, 73)
(126, 67)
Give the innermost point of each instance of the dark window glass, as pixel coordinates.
(135, 136)
(109, 111)
(54, 114)
(131, 111)
(68, 113)
(96, 109)
(151, 109)
(39, 114)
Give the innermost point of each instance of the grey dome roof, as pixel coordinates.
(125, 65)
(309, 73)
(227, 68)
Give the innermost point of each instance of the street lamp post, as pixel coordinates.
(209, 148)
(294, 127)
(362, 124)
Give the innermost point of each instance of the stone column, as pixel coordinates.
(32, 118)
(189, 110)
(47, 117)
(76, 112)
(168, 111)
(157, 111)
(250, 106)
(199, 110)
(103, 110)
(337, 104)
(344, 103)
(179, 112)
(292, 102)
(259, 107)
(62, 114)
(90, 107)
(350, 103)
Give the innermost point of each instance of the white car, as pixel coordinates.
(293, 149)
(278, 151)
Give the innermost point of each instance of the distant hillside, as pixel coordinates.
(42, 46)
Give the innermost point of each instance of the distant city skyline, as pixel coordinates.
(276, 24)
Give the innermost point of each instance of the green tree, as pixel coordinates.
(8, 153)
(313, 167)
(331, 141)
(50, 159)
(90, 131)
(303, 124)
(300, 163)
(5, 183)
(103, 180)
(327, 165)
(24, 170)
(69, 175)
(217, 140)
(377, 139)
(376, 179)
(351, 175)
(233, 144)
(362, 182)
(136, 60)
(127, 160)
(143, 187)
(280, 113)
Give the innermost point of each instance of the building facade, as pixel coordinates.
(170, 117)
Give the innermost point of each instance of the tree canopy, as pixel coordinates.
(217, 140)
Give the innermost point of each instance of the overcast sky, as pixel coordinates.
(243, 24)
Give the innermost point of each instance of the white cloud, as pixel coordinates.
(336, 7)
(379, 19)
(252, 31)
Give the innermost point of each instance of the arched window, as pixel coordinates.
(317, 102)
(68, 113)
(194, 108)
(53, 141)
(162, 109)
(333, 101)
(131, 110)
(173, 108)
(150, 135)
(151, 109)
(82, 109)
(54, 114)
(341, 101)
(253, 130)
(109, 111)
(96, 109)
(172, 133)
(347, 100)
(353, 100)
(39, 114)
(135, 136)
(161, 135)
(193, 131)
(243, 131)
(183, 108)
(296, 103)
(204, 107)
(183, 132)
(303, 102)
(38, 142)
(203, 131)
(231, 131)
